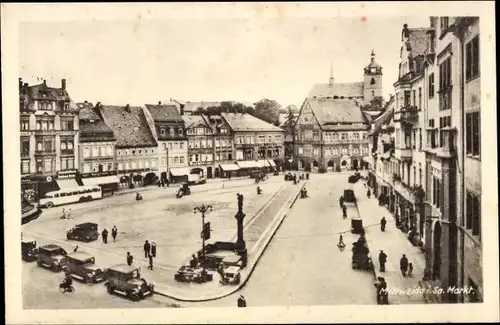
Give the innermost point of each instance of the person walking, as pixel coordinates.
(150, 256)
(70, 216)
(382, 259)
(368, 193)
(63, 216)
(344, 211)
(114, 233)
(130, 259)
(153, 249)
(242, 302)
(104, 235)
(410, 270)
(403, 264)
(147, 248)
(383, 222)
(76, 249)
(341, 244)
(378, 290)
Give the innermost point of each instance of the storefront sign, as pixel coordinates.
(99, 174)
(67, 174)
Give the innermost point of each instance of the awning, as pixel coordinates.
(262, 163)
(247, 164)
(271, 162)
(67, 183)
(100, 180)
(229, 167)
(179, 171)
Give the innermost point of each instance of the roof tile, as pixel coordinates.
(350, 89)
(164, 113)
(245, 122)
(336, 111)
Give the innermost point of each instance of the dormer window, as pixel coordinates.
(162, 131)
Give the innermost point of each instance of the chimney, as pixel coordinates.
(44, 82)
(20, 83)
(127, 108)
(63, 84)
(159, 102)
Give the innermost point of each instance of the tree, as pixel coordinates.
(267, 110)
(377, 103)
(199, 111)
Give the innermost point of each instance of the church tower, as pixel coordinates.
(372, 80)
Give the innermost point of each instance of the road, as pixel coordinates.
(303, 266)
(160, 217)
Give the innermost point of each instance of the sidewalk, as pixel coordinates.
(394, 243)
(193, 292)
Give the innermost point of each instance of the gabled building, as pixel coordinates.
(49, 137)
(330, 134)
(97, 152)
(136, 146)
(223, 146)
(200, 145)
(257, 143)
(168, 128)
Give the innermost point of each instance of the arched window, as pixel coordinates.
(373, 81)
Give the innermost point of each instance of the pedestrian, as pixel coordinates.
(147, 248)
(241, 301)
(403, 264)
(130, 259)
(150, 256)
(114, 233)
(168, 182)
(63, 216)
(384, 295)
(410, 270)
(70, 214)
(153, 249)
(193, 262)
(341, 201)
(383, 222)
(368, 193)
(105, 236)
(341, 244)
(344, 211)
(76, 249)
(378, 290)
(382, 259)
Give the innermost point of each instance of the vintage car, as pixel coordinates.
(357, 225)
(349, 196)
(29, 251)
(81, 266)
(126, 280)
(85, 232)
(51, 256)
(231, 275)
(354, 178)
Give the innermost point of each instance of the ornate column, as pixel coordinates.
(240, 242)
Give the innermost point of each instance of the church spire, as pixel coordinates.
(331, 74)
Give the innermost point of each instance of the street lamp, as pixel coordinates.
(203, 209)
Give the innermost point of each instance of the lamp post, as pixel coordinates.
(203, 209)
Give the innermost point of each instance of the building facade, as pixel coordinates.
(49, 136)
(169, 129)
(200, 145)
(223, 144)
(409, 122)
(136, 147)
(331, 134)
(255, 139)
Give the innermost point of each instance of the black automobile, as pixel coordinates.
(81, 266)
(84, 232)
(51, 256)
(349, 196)
(29, 251)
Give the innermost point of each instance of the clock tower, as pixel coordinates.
(372, 80)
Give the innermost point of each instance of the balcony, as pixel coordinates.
(45, 152)
(403, 154)
(408, 115)
(445, 99)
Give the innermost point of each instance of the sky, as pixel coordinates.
(202, 59)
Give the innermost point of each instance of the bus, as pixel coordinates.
(71, 195)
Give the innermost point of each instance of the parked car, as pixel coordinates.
(85, 232)
(231, 275)
(126, 280)
(349, 196)
(29, 251)
(51, 256)
(81, 266)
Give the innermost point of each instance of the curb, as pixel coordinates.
(252, 268)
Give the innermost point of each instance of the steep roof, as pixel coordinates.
(247, 122)
(346, 89)
(194, 120)
(86, 112)
(385, 118)
(29, 93)
(129, 125)
(164, 113)
(336, 111)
